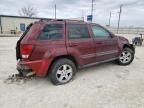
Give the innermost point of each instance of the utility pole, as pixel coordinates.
(1, 26)
(92, 10)
(119, 17)
(82, 14)
(110, 19)
(55, 10)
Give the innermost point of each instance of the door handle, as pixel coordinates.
(99, 43)
(72, 44)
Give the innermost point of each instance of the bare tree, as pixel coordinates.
(28, 11)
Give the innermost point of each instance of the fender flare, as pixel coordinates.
(131, 46)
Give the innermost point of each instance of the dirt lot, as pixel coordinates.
(103, 86)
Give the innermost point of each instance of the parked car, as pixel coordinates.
(138, 41)
(59, 48)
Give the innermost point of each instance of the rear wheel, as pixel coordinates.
(126, 57)
(62, 71)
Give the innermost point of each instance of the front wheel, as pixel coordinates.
(62, 71)
(126, 57)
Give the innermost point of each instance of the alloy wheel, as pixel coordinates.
(125, 57)
(64, 73)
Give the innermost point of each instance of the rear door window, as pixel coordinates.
(77, 31)
(52, 32)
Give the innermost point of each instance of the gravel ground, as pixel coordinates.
(103, 86)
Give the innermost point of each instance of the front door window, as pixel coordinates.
(99, 32)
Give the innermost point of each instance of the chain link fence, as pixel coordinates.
(129, 30)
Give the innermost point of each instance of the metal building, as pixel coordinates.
(15, 24)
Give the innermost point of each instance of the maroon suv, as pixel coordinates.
(60, 47)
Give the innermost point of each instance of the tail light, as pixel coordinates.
(26, 50)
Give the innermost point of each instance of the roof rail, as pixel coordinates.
(67, 20)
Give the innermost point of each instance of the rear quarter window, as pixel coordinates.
(52, 32)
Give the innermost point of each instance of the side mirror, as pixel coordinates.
(112, 35)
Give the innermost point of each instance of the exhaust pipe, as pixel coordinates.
(30, 74)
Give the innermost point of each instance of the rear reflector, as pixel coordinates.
(26, 50)
(25, 56)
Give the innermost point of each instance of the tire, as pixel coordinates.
(126, 57)
(62, 71)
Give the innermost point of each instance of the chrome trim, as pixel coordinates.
(108, 60)
(98, 54)
(106, 52)
(88, 55)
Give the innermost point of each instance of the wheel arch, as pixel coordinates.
(70, 57)
(129, 46)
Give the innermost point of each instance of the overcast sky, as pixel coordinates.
(132, 11)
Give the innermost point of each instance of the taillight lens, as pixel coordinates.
(26, 51)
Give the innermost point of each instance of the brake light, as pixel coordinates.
(26, 51)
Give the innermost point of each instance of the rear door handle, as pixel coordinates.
(99, 43)
(72, 44)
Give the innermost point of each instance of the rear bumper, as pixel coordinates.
(23, 69)
(39, 67)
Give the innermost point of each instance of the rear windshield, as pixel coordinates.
(52, 32)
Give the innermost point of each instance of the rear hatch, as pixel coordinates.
(27, 41)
